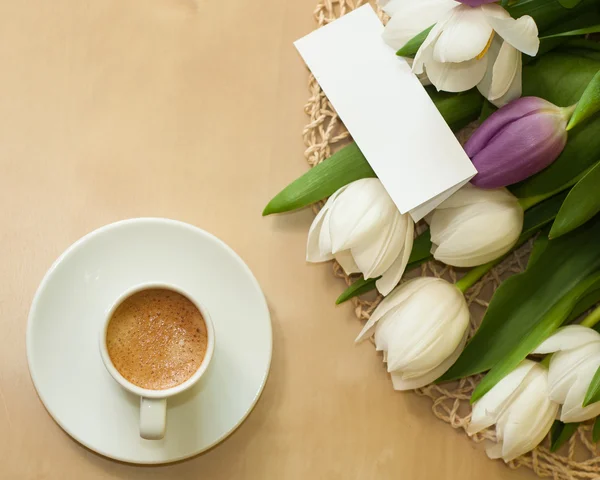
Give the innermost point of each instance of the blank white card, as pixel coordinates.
(387, 111)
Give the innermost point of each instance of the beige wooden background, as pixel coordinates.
(192, 110)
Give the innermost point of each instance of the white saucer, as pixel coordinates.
(68, 310)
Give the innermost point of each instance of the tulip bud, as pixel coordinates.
(361, 227)
(572, 369)
(517, 141)
(421, 328)
(475, 226)
(520, 408)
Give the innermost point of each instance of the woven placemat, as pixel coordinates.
(324, 134)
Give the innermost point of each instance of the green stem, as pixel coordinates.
(475, 274)
(588, 105)
(546, 361)
(568, 113)
(592, 319)
(527, 203)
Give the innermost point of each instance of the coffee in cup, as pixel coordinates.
(156, 339)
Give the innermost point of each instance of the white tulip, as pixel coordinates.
(411, 17)
(421, 328)
(520, 408)
(361, 227)
(468, 46)
(475, 226)
(571, 370)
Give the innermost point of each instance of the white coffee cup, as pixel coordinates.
(153, 403)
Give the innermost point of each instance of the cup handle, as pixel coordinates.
(153, 418)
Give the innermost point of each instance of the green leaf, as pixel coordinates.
(563, 33)
(560, 434)
(342, 168)
(540, 215)
(588, 104)
(357, 288)
(559, 77)
(569, 3)
(411, 47)
(545, 326)
(420, 253)
(584, 19)
(349, 164)
(582, 48)
(576, 45)
(582, 203)
(562, 79)
(596, 430)
(457, 109)
(539, 246)
(549, 13)
(486, 110)
(583, 44)
(546, 292)
(593, 392)
(584, 305)
(572, 33)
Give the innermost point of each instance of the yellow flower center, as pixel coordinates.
(487, 47)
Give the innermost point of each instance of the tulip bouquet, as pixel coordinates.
(525, 75)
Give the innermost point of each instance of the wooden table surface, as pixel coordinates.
(191, 110)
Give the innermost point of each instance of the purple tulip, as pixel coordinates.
(476, 3)
(517, 141)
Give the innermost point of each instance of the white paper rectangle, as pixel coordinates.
(387, 111)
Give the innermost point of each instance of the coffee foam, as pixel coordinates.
(156, 339)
